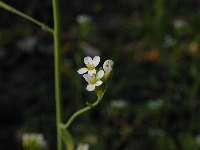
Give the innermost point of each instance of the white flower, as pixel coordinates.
(82, 147)
(91, 64)
(118, 103)
(169, 41)
(155, 104)
(33, 139)
(178, 23)
(89, 49)
(197, 138)
(81, 19)
(157, 132)
(93, 80)
(28, 44)
(107, 66)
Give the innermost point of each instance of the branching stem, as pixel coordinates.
(83, 110)
(15, 11)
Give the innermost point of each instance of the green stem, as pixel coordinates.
(15, 11)
(82, 111)
(57, 59)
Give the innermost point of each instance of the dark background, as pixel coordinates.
(155, 47)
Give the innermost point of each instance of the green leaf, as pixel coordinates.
(67, 139)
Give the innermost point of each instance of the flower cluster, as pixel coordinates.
(32, 141)
(82, 146)
(93, 76)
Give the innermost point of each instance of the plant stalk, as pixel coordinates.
(15, 11)
(57, 62)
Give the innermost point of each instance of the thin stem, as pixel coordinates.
(57, 59)
(82, 111)
(15, 11)
(78, 113)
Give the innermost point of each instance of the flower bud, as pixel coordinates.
(107, 67)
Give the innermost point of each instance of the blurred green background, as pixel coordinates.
(152, 102)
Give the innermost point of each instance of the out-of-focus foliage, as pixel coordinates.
(152, 102)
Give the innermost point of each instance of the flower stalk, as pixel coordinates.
(90, 106)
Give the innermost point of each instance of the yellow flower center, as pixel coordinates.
(93, 80)
(90, 66)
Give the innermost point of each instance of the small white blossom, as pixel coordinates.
(107, 66)
(155, 104)
(33, 139)
(197, 138)
(28, 44)
(89, 49)
(82, 146)
(118, 104)
(81, 19)
(91, 64)
(178, 23)
(169, 41)
(93, 80)
(157, 132)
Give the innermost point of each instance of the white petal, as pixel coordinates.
(91, 72)
(87, 60)
(96, 60)
(87, 77)
(100, 74)
(82, 70)
(90, 87)
(105, 63)
(98, 83)
(111, 63)
(108, 69)
(105, 66)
